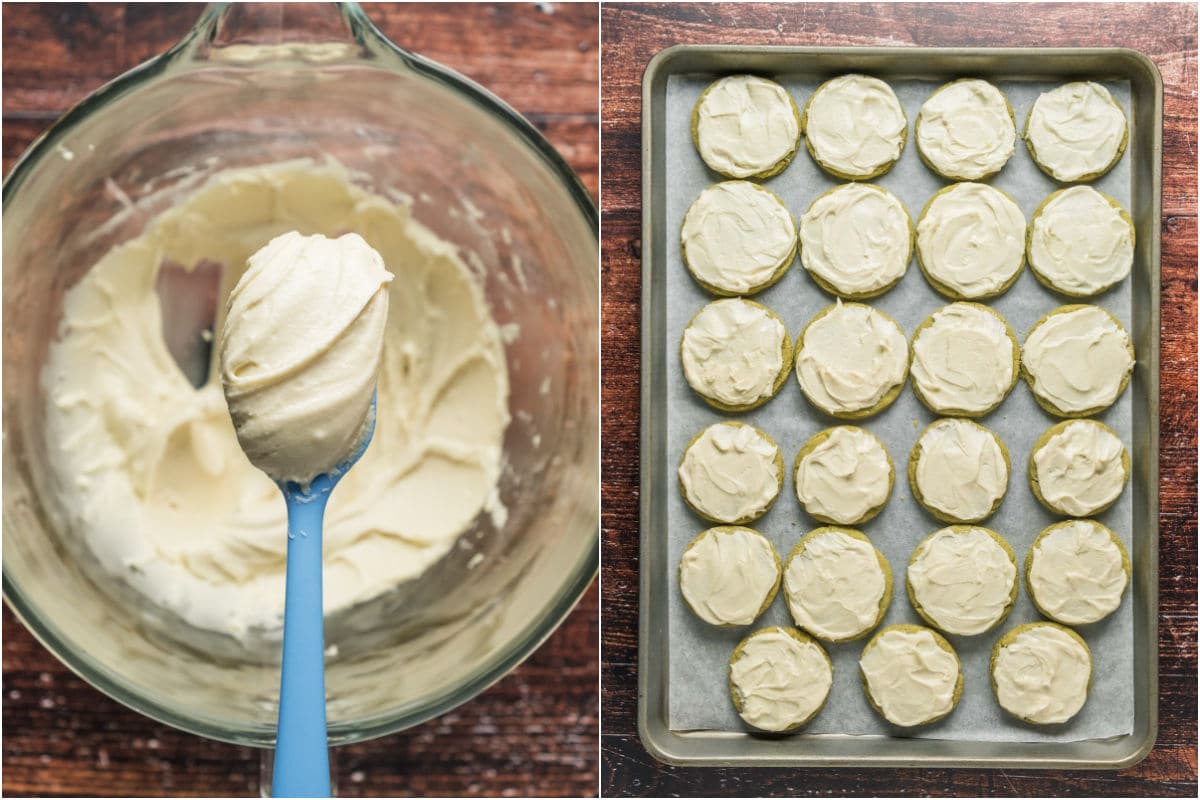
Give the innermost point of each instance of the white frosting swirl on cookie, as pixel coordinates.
(1078, 359)
(834, 586)
(857, 238)
(962, 579)
(1077, 572)
(1042, 675)
(965, 361)
(855, 125)
(971, 239)
(1080, 243)
(960, 469)
(730, 473)
(745, 125)
(845, 476)
(965, 130)
(778, 680)
(1080, 469)
(736, 236)
(1076, 130)
(850, 357)
(732, 352)
(726, 575)
(910, 676)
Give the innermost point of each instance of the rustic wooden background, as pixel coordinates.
(535, 732)
(632, 34)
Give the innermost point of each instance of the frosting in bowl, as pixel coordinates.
(960, 470)
(1077, 572)
(963, 579)
(851, 356)
(844, 477)
(857, 238)
(971, 239)
(732, 352)
(855, 126)
(731, 472)
(964, 359)
(910, 676)
(1041, 674)
(737, 236)
(726, 575)
(966, 131)
(745, 125)
(835, 584)
(1076, 131)
(1077, 359)
(1080, 242)
(778, 679)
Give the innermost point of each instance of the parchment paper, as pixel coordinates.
(699, 653)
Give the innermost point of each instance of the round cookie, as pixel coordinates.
(745, 126)
(856, 240)
(779, 679)
(1078, 468)
(861, 351)
(736, 354)
(1041, 673)
(911, 675)
(959, 344)
(958, 471)
(1077, 571)
(963, 579)
(966, 130)
(729, 575)
(1080, 242)
(729, 454)
(1076, 132)
(837, 584)
(971, 241)
(737, 238)
(1077, 360)
(843, 475)
(854, 127)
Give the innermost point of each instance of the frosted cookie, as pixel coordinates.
(779, 679)
(963, 579)
(837, 585)
(1078, 468)
(1076, 132)
(855, 127)
(1080, 242)
(843, 475)
(745, 126)
(1077, 571)
(729, 575)
(736, 354)
(971, 241)
(731, 473)
(958, 471)
(851, 360)
(1041, 673)
(856, 240)
(911, 675)
(966, 130)
(965, 360)
(738, 238)
(1077, 360)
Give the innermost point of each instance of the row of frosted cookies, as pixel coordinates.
(746, 126)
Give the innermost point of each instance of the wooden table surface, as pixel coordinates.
(632, 35)
(533, 733)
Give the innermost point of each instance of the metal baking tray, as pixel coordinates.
(737, 748)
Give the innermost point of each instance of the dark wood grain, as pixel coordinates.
(632, 34)
(533, 733)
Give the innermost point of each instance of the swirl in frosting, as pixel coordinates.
(1076, 131)
(731, 472)
(1042, 674)
(727, 573)
(845, 477)
(964, 359)
(732, 352)
(960, 470)
(911, 675)
(1077, 572)
(745, 125)
(737, 236)
(971, 239)
(857, 239)
(963, 579)
(966, 131)
(1081, 243)
(779, 680)
(835, 585)
(1077, 359)
(850, 357)
(855, 126)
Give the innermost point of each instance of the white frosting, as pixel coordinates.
(736, 236)
(965, 361)
(726, 575)
(910, 677)
(855, 125)
(850, 358)
(745, 125)
(730, 473)
(965, 130)
(857, 238)
(835, 585)
(1080, 469)
(779, 681)
(1075, 130)
(845, 476)
(972, 239)
(1077, 574)
(148, 471)
(1042, 675)
(732, 352)
(963, 580)
(1078, 359)
(1080, 243)
(960, 469)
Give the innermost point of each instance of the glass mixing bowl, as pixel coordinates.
(252, 85)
